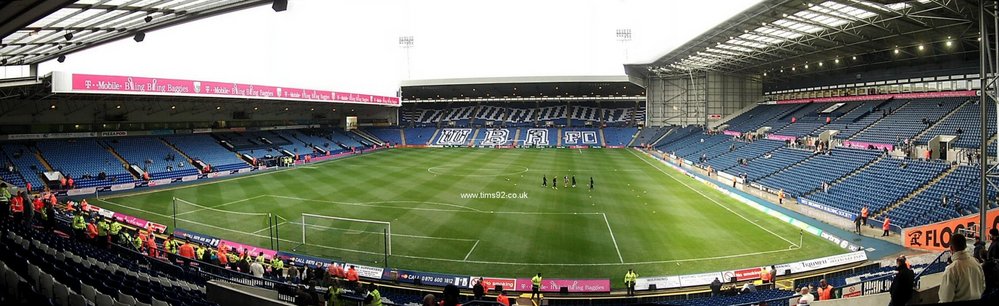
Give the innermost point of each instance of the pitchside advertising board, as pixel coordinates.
(65, 82)
(936, 236)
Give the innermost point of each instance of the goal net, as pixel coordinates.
(226, 220)
(367, 241)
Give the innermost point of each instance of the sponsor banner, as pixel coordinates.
(305, 260)
(490, 282)
(81, 191)
(781, 137)
(574, 285)
(244, 170)
(189, 178)
(865, 145)
(367, 271)
(643, 283)
(120, 187)
(159, 182)
(103, 212)
(732, 133)
(916, 95)
(741, 275)
(854, 290)
(699, 279)
(828, 262)
(579, 147)
(114, 133)
(936, 236)
(615, 147)
(828, 209)
(198, 238)
(89, 83)
(433, 279)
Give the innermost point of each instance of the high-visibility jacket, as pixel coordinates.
(825, 293)
(79, 223)
(91, 230)
(17, 205)
(352, 275)
(102, 228)
(536, 281)
(4, 195)
(630, 278)
(886, 225)
(151, 242)
(187, 250)
(764, 275)
(137, 242)
(277, 264)
(261, 259)
(232, 257)
(200, 252)
(863, 212)
(223, 259)
(170, 246)
(115, 228)
(39, 205)
(502, 299)
(376, 298)
(28, 187)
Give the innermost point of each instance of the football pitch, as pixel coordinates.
(444, 218)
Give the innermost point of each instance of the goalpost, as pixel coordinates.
(359, 236)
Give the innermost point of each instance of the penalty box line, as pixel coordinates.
(465, 260)
(644, 159)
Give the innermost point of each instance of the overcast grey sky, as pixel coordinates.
(353, 45)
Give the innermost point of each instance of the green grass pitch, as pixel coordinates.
(641, 215)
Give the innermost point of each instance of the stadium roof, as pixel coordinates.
(34, 31)
(799, 34)
(445, 90)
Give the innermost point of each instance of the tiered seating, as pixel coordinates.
(419, 136)
(302, 144)
(389, 135)
(966, 119)
(926, 207)
(618, 136)
(759, 116)
(524, 115)
(647, 135)
(207, 149)
(341, 137)
(867, 187)
(748, 152)
(138, 150)
(64, 156)
(65, 272)
(908, 120)
(11, 177)
(677, 135)
(746, 298)
(863, 116)
(811, 173)
(807, 120)
(762, 166)
(25, 163)
(691, 147)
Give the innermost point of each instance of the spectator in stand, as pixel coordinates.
(886, 226)
(994, 245)
(70, 183)
(430, 300)
(991, 271)
(478, 291)
(901, 286)
(806, 297)
(49, 217)
(451, 294)
(29, 209)
(293, 273)
(963, 279)
(715, 287)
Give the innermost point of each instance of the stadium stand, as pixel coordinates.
(866, 187)
(208, 150)
(809, 174)
(152, 155)
(388, 135)
(747, 152)
(908, 120)
(650, 135)
(419, 136)
(64, 156)
(577, 114)
(962, 123)
(927, 206)
(768, 164)
(619, 136)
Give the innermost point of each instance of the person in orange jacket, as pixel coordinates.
(863, 215)
(91, 231)
(885, 227)
(151, 245)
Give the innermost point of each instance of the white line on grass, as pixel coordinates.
(612, 238)
(644, 159)
(266, 228)
(215, 208)
(466, 209)
(210, 182)
(370, 232)
(470, 251)
(466, 261)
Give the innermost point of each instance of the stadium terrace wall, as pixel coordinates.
(936, 236)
